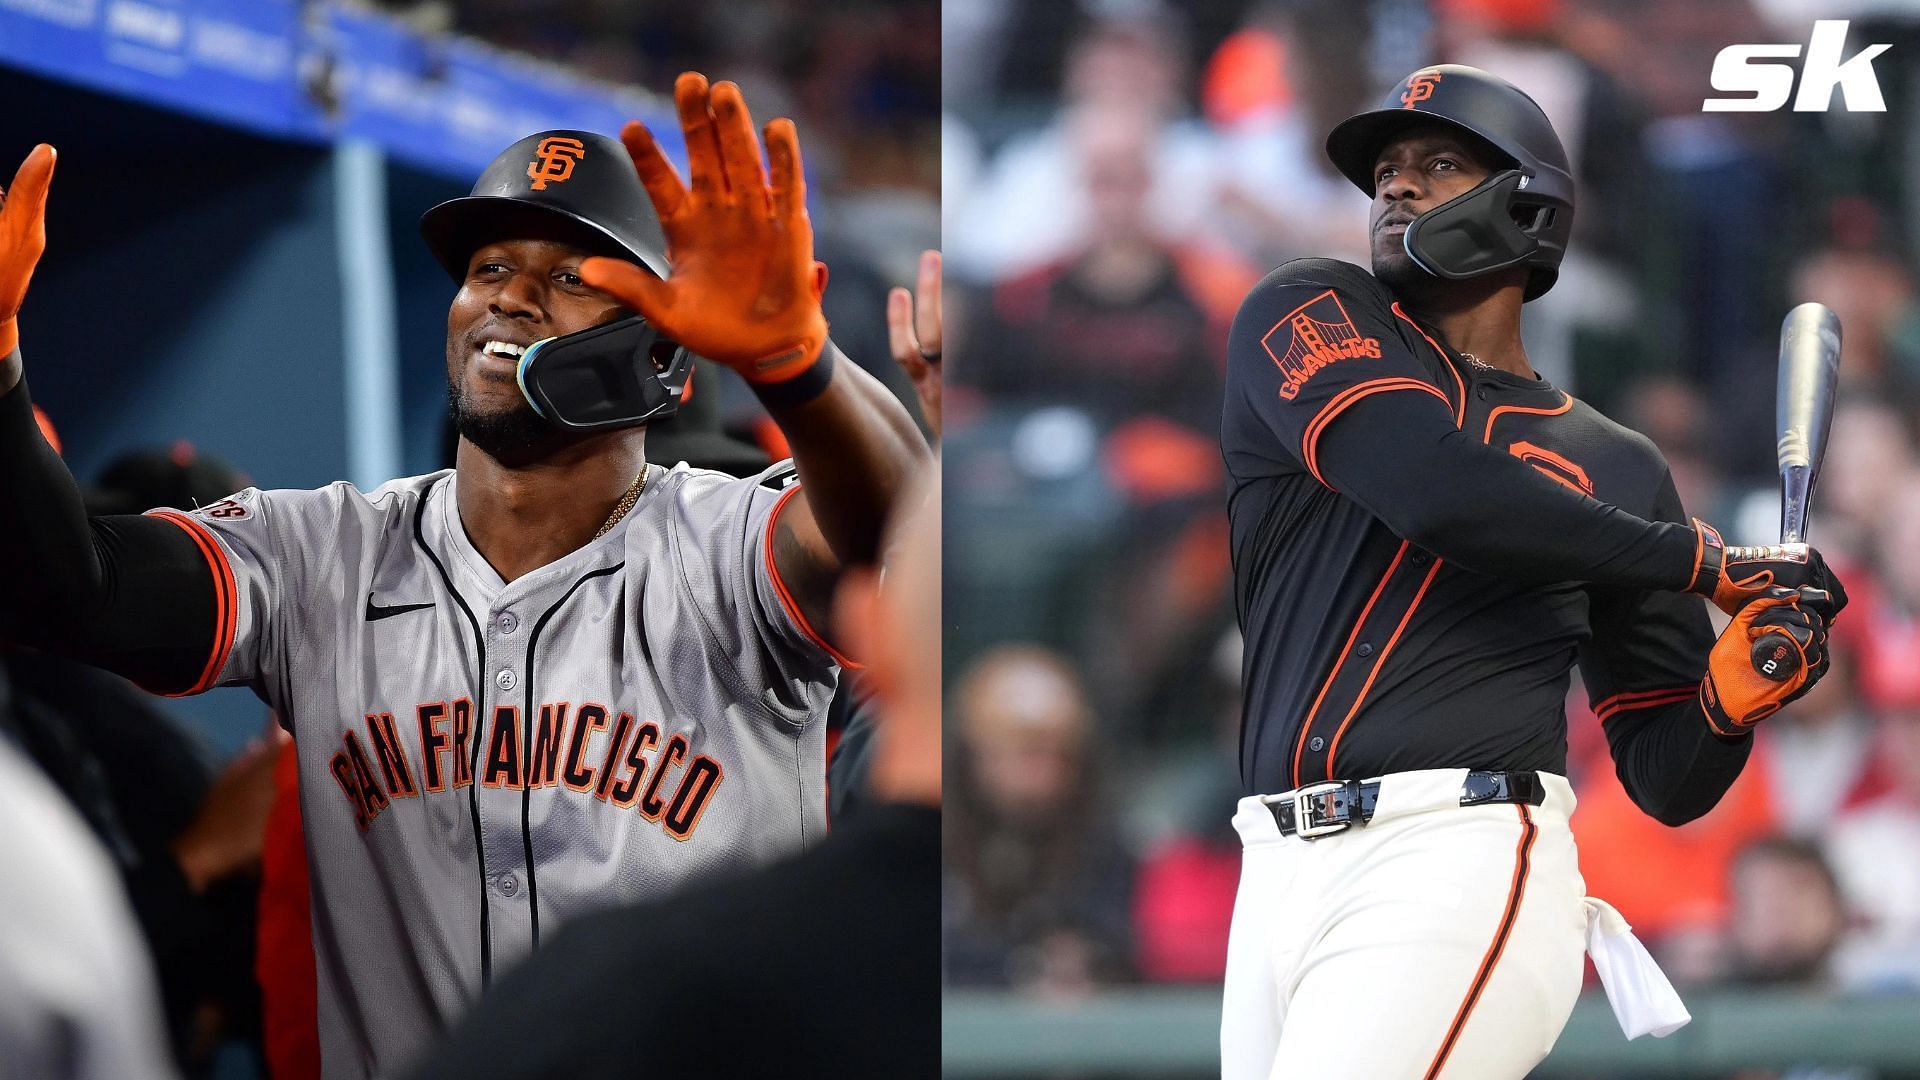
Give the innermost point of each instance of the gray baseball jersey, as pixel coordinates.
(482, 760)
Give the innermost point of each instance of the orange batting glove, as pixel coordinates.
(1735, 696)
(23, 236)
(744, 288)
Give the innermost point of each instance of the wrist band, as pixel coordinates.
(1708, 559)
(800, 389)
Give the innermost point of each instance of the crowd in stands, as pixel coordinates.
(1118, 174)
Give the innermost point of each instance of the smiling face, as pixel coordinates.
(1422, 167)
(515, 293)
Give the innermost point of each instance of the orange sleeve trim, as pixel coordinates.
(1460, 415)
(1642, 699)
(1521, 861)
(226, 610)
(1300, 743)
(1310, 441)
(1495, 414)
(787, 601)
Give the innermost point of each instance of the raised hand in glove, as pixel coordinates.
(23, 236)
(1734, 695)
(744, 288)
(1733, 577)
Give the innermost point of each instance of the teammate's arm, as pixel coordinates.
(745, 291)
(131, 594)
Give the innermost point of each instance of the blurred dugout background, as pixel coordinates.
(235, 291)
(1117, 173)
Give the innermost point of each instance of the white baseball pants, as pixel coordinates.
(1434, 941)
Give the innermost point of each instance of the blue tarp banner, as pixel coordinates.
(444, 104)
(233, 61)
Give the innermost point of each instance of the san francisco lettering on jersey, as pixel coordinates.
(589, 751)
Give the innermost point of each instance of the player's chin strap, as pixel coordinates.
(1476, 233)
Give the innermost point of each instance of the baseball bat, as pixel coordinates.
(1803, 412)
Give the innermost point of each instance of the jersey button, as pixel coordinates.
(508, 883)
(1365, 650)
(1419, 558)
(506, 680)
(1318, 743)
(507, 622)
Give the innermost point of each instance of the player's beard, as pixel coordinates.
(1398, 272)
(511, 435)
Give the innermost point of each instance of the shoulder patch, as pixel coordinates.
(232, 508)
(782, 477)
(1313, 336)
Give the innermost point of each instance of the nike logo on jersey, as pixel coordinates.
(375, 612)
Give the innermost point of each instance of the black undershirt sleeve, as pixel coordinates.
(1400, 456)
(1642, 668)
(131, 594)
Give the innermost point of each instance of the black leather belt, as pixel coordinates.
(1321, 809)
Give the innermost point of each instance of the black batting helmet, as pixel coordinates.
(1522, 215)
(583, 186)
(582, 182)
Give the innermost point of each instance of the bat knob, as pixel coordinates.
(1775, 658)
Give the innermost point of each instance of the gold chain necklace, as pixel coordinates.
(626, 502)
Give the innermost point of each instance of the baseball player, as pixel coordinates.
(558, 676)
(1427, 538)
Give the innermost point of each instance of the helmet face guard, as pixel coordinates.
(621, 374)
(1496, 225)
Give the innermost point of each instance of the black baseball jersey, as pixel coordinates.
(1423, 548)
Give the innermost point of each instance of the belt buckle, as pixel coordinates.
(1306, 803)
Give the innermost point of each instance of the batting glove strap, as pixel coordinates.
(1709, 555)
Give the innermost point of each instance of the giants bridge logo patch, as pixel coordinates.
(1316, 334)
(553, 160)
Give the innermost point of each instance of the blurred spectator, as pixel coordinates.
(1786, 916)
(1126, 334)
(1870, 457)
(1675, 415)
(1876, 854)
(1887, 631)
(1184, 891)
(1026, 209)
(1037, 883)
(1129, 322)
(1817, 755)
(1872, 291)
(1279, 198)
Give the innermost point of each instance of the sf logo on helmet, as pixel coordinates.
(553, 161)
(1419, 88)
